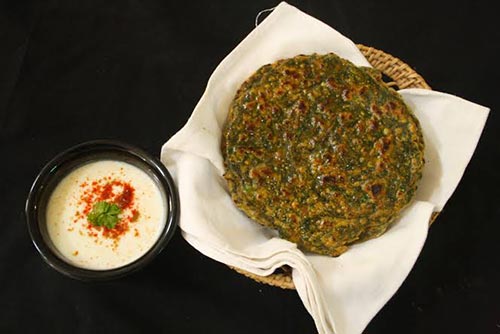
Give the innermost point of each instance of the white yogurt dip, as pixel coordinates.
(138, 226)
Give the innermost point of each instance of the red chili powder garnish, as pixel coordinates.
(135, 215)
(110, 190)
(107, 191)
(124, 200)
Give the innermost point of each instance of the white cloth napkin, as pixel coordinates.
(342, 294)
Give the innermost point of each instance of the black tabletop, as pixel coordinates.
(134, 70)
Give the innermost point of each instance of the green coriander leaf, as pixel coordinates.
(108, 221)
(114, 209)
(92, 217)
(104, 214)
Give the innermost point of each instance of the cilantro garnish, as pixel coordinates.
(104, 214)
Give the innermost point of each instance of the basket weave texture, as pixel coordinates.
(402, 76)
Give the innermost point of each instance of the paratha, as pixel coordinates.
(322, 151)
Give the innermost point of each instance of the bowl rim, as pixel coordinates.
(165, 181)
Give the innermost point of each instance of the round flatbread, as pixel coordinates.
(321, 150)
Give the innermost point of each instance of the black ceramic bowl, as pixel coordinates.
(75, 157)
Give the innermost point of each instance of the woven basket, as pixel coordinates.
(400, 76)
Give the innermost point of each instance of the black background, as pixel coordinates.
(134, 70)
